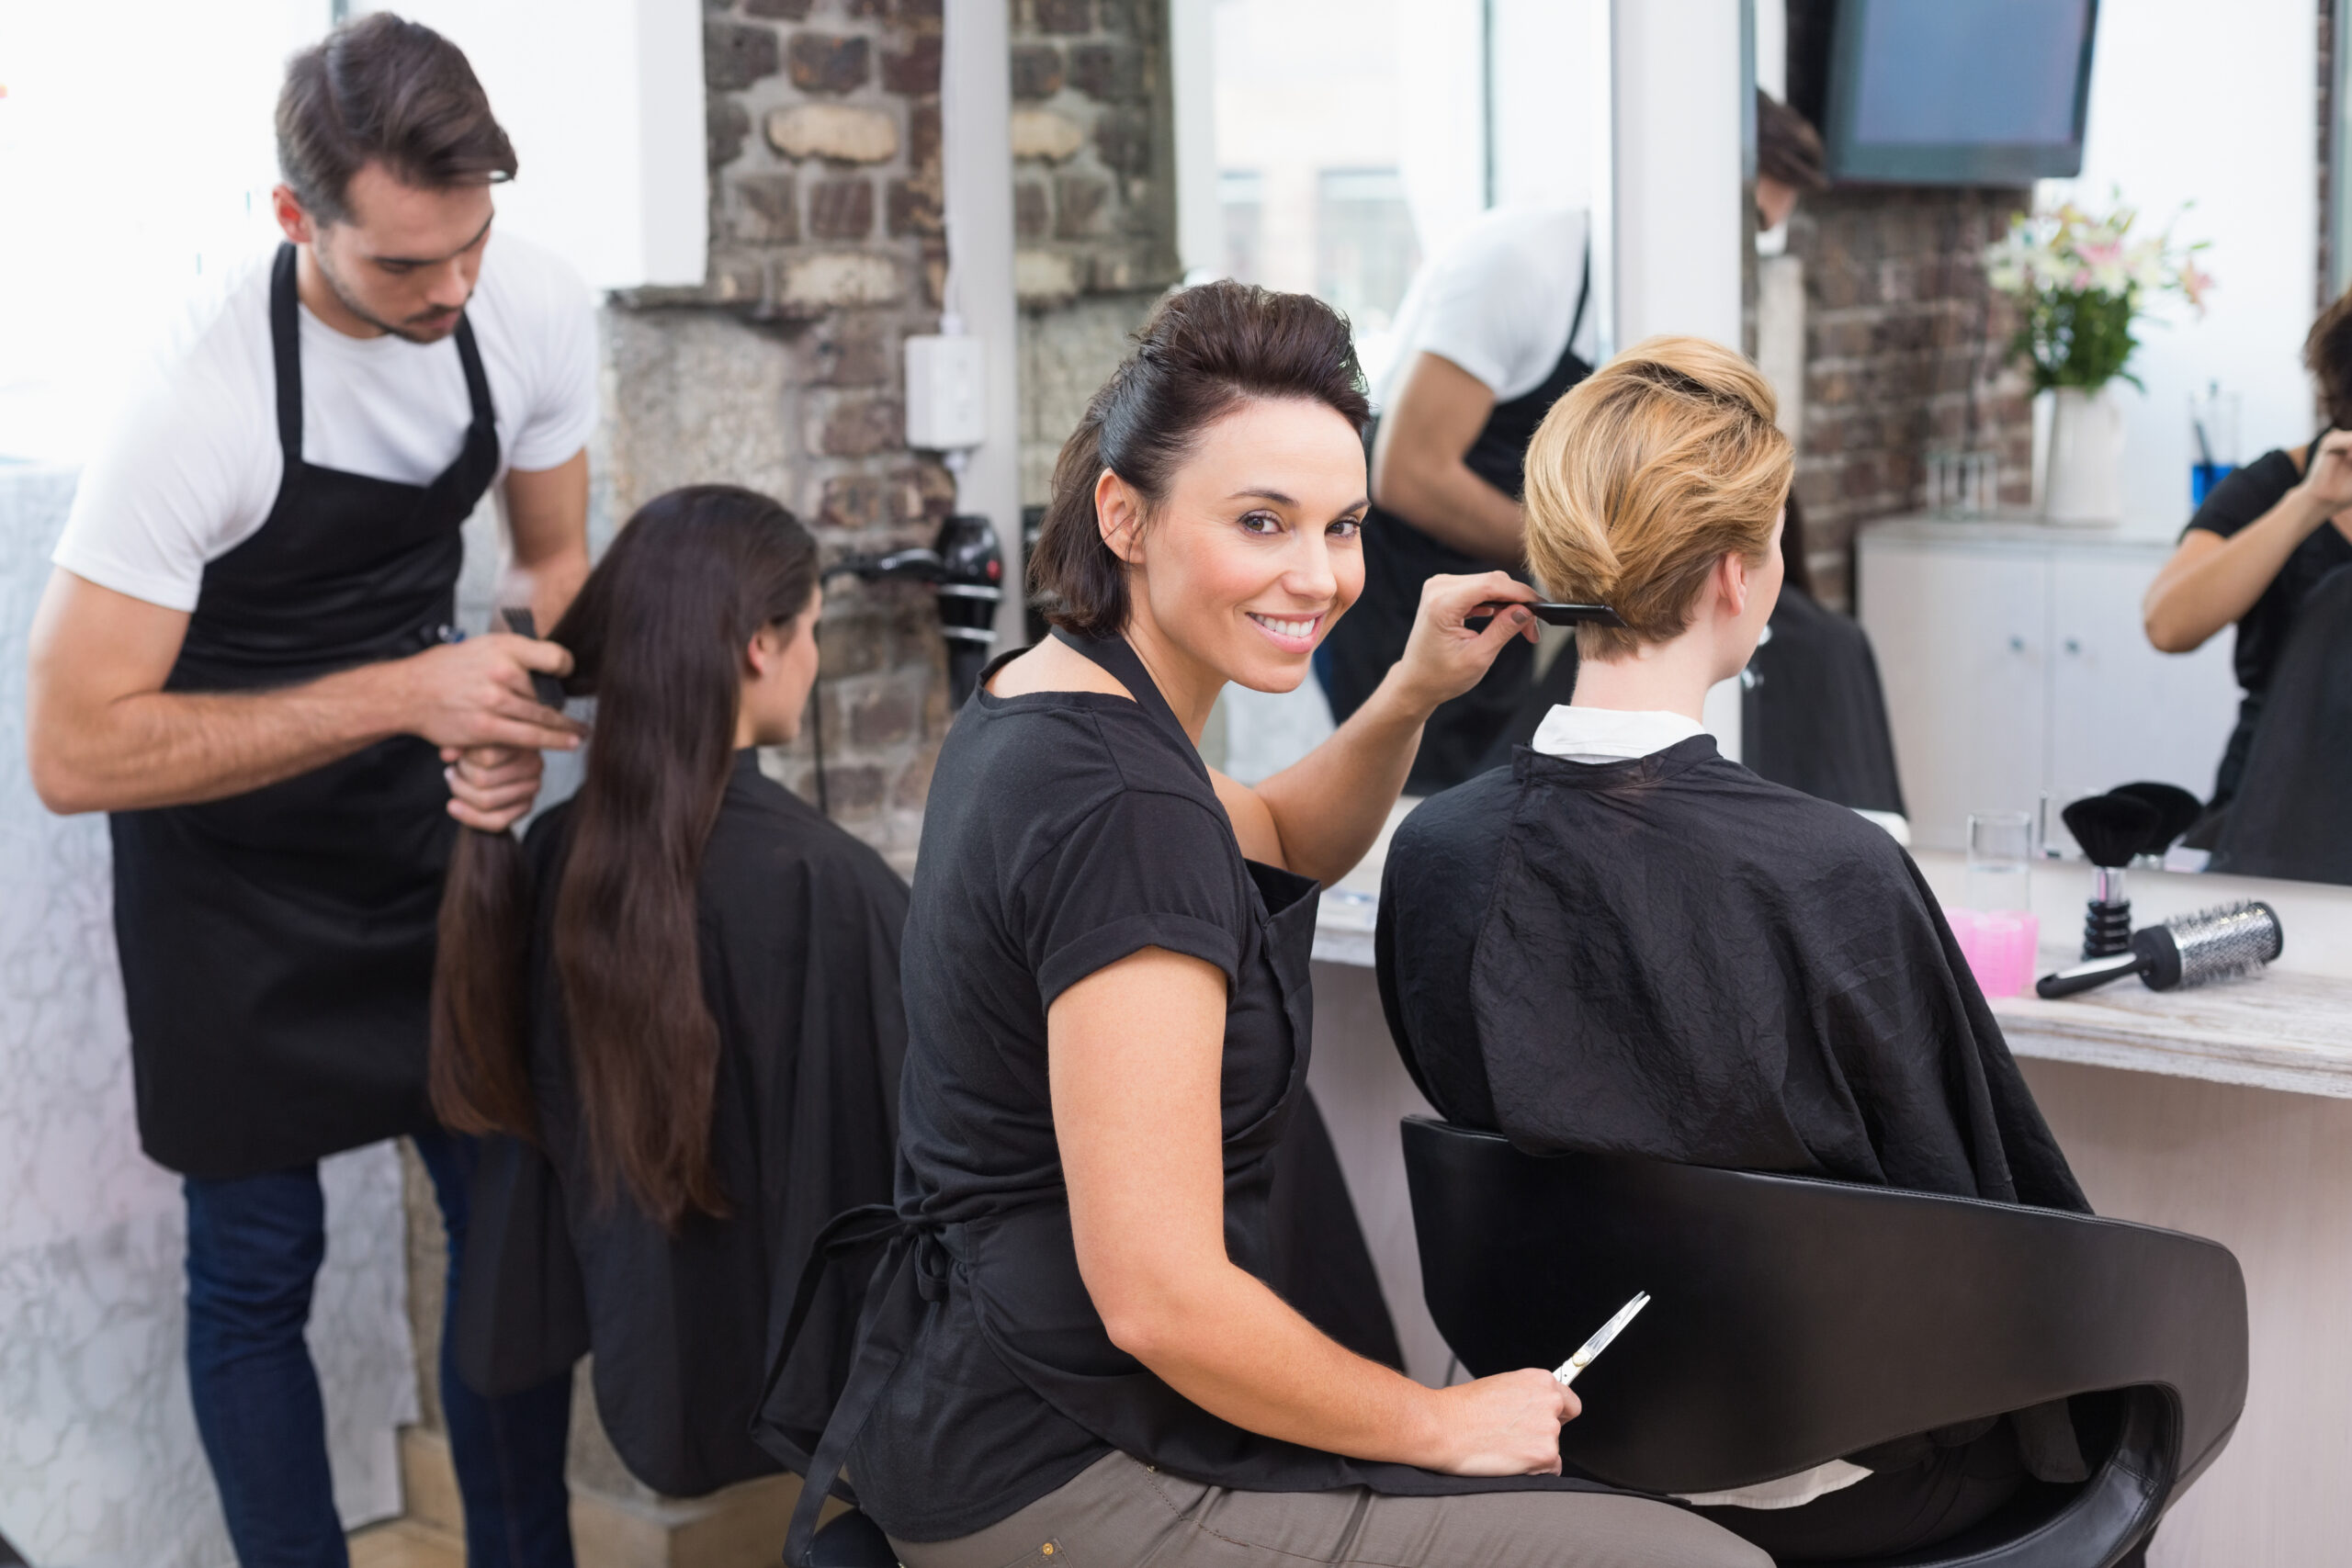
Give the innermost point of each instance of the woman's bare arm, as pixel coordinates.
(1136, 1116)
(1318, 816)
(2210, 581)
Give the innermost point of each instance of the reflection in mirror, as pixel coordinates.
(1352, 143)
(2027, 665)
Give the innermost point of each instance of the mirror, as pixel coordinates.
(2012, 647)
(2008, 598)
(1351, 141)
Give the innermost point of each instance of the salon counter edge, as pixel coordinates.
(2289, 1028)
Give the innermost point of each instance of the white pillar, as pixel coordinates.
(1678, 101)
(975, 119)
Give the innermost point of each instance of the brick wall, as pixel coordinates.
(1905, 353)
(784, 370)
(1094, 202)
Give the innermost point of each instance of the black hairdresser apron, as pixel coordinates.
(277, 945)
(1398, 559)
(1018, 1272)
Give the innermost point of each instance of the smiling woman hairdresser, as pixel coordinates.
(1069, 1348)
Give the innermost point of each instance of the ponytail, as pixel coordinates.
(476, 1069)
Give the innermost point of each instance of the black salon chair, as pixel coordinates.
(1794, 1322)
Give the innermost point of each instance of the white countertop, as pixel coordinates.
(2012, 530)
(2289, 1028)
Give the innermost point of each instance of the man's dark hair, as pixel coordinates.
(1788, 149)
(389, 91)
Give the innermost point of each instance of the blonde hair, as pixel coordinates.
(1643, 476)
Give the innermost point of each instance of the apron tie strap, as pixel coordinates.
(911, 1274)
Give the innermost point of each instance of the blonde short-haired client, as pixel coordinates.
(1664, 954)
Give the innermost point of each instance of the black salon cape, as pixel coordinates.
(799, 929)
(1672, 957)
(2292, 816)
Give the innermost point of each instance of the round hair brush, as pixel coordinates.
(2186, 951)
(2110, 829)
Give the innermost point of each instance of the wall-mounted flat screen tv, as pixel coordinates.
(1958, 92)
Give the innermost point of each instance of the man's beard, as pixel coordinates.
(413, 332)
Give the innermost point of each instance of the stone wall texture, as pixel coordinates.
(784, 370)
(1905, 354)
(1094, 203)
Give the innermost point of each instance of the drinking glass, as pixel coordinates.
(2000, 860)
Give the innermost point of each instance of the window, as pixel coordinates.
(1241, 203)
(1365, 250)
(145, 171)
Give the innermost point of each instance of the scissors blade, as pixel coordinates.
(1567, 1370)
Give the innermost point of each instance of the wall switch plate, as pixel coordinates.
(946, 407)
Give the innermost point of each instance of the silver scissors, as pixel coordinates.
(1566, 1372)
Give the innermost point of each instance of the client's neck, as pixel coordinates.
(1658, 677)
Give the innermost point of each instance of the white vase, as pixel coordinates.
(2084, 485)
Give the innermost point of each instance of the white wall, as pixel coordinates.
(2215, 105)
(1678, 97)
(604, 101)
(1551, 89)
(131, 178)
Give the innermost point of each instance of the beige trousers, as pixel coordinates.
(1121, 1514)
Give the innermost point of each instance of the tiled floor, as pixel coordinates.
(404, 1543)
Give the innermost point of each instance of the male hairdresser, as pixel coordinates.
(245, 656)
(1491, 334)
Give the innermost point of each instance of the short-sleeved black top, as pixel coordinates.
(2238, 500)
(1065, 832)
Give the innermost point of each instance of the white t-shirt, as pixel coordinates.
(1499, 300)
(192, 466)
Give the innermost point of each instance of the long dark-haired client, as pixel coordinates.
(684, 988)
(1074, 1343)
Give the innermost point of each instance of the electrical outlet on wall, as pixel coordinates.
(946, 407)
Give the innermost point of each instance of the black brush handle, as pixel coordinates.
(548, 688)
(2087, 976)
(2107, 929)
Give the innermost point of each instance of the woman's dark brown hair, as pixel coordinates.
(1205, 351)
(657, 636)
(385, 90)
(2327, 354)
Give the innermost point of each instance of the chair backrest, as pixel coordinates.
(1795, 1321)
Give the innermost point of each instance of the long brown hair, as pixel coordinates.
(656, 635)
(1204, 351)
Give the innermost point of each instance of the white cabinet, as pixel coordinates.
(2016, 669)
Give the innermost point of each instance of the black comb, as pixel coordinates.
(1549, 614)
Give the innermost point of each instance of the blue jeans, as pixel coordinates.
(254, 1248)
